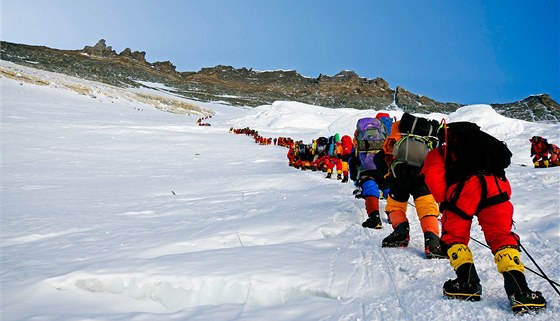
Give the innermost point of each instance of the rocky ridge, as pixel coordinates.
(246, 87)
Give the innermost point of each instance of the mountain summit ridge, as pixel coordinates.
(248, 87)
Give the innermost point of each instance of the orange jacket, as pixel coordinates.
(390, 142)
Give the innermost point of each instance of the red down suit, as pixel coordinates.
(495, 218)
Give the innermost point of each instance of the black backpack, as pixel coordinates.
(321, 146)
(471, 151)
(418, 125)
(418, 137)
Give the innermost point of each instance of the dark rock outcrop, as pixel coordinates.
(100, 49)
(537, 108)
(164, 67)
(410, 102)
(136, 55)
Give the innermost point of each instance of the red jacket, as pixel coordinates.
(486, 196)
(471, 191)
(324, 160)
(434, 174)
(539, 148)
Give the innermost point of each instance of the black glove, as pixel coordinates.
(357, 193)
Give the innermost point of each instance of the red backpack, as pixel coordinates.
(347, 144)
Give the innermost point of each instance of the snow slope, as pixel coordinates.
(112, 209)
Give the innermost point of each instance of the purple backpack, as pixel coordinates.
(370, 135)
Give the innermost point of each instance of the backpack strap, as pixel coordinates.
(485, 201)
(413, 125)
(451, 205)
(489, 201)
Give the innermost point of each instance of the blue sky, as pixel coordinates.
(470, 52)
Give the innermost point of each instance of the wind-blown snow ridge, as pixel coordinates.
(38, 237)
(177, 294)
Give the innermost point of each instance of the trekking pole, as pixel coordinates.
(542, 274)
(552, 283)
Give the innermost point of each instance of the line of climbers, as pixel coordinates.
(279, 141)
(455, 169)
(200, 122)
(323, 154)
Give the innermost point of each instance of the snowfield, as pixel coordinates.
(112, 209)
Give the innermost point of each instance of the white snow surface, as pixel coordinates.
(112, 209)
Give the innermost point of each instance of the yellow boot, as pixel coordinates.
(521, 298)
(467, 284)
